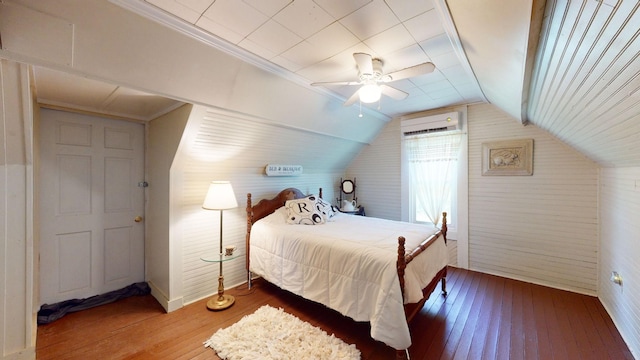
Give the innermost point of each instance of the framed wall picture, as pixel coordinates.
(507, 157)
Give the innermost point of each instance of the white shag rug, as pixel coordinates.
(272, 334)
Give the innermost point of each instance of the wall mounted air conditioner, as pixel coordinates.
(433, 123)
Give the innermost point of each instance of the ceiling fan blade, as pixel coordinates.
(412, 71)
(352, 99)
(336, 83)
(393, 92)
(364, 61)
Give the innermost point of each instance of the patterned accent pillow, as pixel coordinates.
(304, 211)
(327, 210)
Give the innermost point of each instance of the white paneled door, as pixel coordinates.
(91, 205)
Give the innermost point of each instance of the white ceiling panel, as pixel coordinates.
(437, 45)
(371, 19)
(406, 10)
(446, 60)
(198, 6)
(274, 37)
(331, 40)
(236, 16)
(269, 8)
(179, 9)
(390, 40)
(404, 58)
(304, 17)
(303, 54)
(340, 8)
(425, 26)
(221, 31)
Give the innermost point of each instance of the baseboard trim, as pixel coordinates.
(24, 354)
(161, 297)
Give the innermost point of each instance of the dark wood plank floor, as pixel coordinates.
(482, 317)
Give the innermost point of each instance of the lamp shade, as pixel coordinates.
(220, 196)
(370, 93)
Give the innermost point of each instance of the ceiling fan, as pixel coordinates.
(372, 79)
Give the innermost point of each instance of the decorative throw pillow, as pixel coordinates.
(325, 208)
(304, 211)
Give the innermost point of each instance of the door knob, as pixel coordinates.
(138, 219)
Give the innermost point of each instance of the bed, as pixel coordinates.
(368, 269)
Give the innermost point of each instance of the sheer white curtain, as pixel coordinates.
(432, 160)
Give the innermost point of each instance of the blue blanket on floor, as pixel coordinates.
(53, 312)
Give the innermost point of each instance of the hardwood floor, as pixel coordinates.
(482, 317)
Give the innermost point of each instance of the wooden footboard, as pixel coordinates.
(404, 259)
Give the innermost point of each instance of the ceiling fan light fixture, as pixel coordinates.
(370, 93)
(372, 80)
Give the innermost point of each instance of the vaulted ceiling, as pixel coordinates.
(314, 41)
(571, 68)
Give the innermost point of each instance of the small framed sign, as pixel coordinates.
(283, 170)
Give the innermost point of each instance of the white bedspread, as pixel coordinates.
(349, 265)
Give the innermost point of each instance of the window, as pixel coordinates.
(432, 163)
(433, 169)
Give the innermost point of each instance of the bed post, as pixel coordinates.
(401, 264)
(249, 221)
(444, 234)
(444, 226)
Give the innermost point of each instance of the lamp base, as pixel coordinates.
(220, 302)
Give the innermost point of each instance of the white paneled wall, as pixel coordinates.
(220, 145)
(377, 173)
(620, 250)
(163, 138)
(541, 228)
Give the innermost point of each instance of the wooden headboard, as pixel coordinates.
(267, 206)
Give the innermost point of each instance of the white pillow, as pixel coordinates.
(304, 211)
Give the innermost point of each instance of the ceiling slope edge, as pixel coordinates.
(535, 30)
(503, 69)
(452, 33)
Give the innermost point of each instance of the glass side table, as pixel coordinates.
(222, 301)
